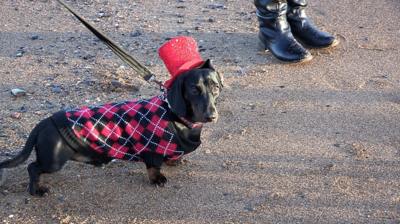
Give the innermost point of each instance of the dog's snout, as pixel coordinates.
(211, 117)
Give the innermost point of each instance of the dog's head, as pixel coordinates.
(193, 94)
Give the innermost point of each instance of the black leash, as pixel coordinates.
(143, 71)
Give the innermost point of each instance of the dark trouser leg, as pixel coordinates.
(304, 29)
(275, 32)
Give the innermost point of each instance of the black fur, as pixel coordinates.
(192, 96)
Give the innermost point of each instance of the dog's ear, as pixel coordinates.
(220, 77)
(207, 64)
(175, 97)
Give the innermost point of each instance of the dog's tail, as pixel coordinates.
(25, 153)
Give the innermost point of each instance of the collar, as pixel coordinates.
(190, 124)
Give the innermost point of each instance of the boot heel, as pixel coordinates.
(261, 48)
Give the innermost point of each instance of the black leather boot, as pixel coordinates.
(275, 33)
(304, 29)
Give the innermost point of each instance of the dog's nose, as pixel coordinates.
(211, 118)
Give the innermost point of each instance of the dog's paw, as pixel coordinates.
(160, 180)
(39, 192)
(156, 177)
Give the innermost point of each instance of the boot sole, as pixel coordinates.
(334, 44)
(263, 49)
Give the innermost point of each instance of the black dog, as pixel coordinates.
(190, 101)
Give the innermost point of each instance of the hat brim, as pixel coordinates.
(182, 69)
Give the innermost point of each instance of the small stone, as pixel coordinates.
(180, 21)
(49, 105)
(116, 83)
(66, 220)
(16, 115)
(102, 14)
(89, 82)
(302, 195)
(56, 89)
(216, 6)
(34, 37)
(229, 136)
(19, 54)
(38, 112)
(88, 56)
(18, 92)
(249, 208)
(135, 33)
(11, 216)
(208, 151)
(61, 198)
(252, 106)
(211, 20)
(23, 109)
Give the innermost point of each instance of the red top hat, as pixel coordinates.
(180, 54)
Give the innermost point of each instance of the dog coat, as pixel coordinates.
(125, 130)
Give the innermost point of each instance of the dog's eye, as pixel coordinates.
(195, 90)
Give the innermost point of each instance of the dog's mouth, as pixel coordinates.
(198, 124)
(191, 124)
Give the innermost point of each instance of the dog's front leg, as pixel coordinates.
(156, 177)
(153, 163)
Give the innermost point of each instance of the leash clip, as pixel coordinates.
(152, 78)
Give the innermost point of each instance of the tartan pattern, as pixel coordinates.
(124, 130)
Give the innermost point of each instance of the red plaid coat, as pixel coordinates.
(124, 130)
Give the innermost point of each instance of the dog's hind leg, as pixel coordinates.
(52, 162)
(51, 154)
(34, 177)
